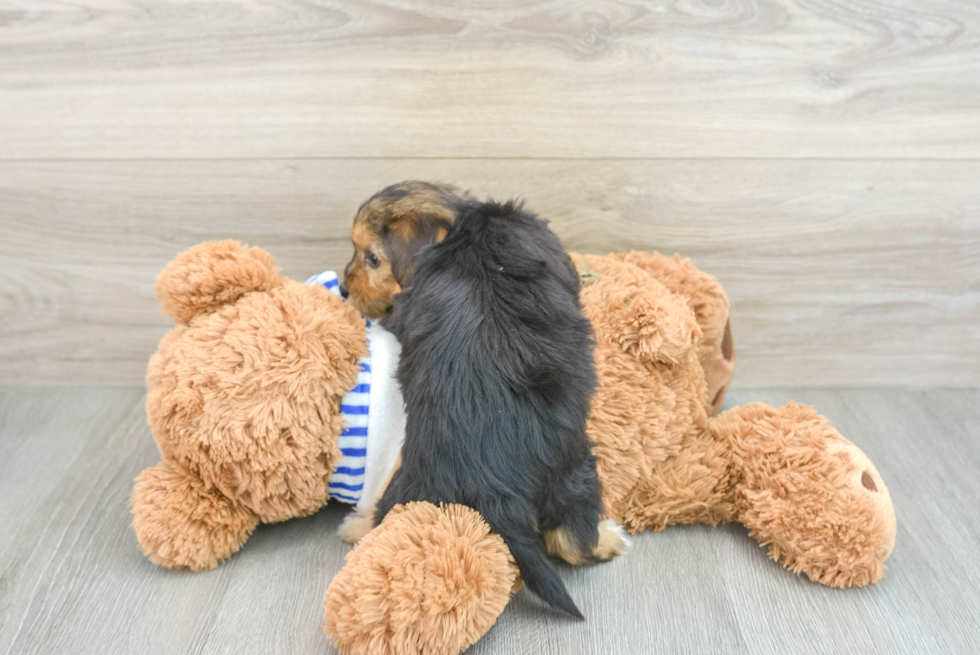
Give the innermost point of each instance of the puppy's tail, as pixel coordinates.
(539, 573)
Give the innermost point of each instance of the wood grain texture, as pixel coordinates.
(73, 580)
(545, 78)
(841, 274)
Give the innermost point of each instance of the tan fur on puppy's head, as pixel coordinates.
(388, 232)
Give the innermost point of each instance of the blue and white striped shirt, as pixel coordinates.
(347, 481)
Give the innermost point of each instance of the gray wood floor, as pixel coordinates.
(73, 581)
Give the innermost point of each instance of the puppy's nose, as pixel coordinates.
(343, 290)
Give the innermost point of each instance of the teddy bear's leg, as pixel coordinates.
(716, 350)
(427, 580)
(181, 524)
(808, 493)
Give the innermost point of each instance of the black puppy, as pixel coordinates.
(496, 370)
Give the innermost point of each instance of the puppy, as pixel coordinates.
(496, 371)
(388, 232)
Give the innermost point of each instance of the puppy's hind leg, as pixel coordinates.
(357, 524)
(613, 541)
(572, 515)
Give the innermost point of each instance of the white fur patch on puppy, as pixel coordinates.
(356, 525)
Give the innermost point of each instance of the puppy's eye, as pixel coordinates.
(371, 259)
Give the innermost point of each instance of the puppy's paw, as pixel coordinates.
(613, 541)
(356, 525)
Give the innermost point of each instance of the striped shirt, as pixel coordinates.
(347, 481)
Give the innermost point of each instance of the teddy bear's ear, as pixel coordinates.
(211, 274)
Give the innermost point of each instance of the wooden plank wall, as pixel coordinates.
(821, 158)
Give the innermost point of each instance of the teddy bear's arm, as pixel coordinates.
(643, 317)
(716, 350)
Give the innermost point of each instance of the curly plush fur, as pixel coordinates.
(802, 489)
(243, 398)
(243, 401)
(432, 581)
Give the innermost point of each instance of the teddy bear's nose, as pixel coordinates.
(868, 481)
(343, 290)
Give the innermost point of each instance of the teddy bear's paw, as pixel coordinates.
(613, 541)
(356, 525)
(181, 524)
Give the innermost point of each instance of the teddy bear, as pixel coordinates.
(434, 579)
(243, 400)
(246, 400)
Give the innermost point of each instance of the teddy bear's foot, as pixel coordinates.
(180, 524)
(809, 494)
(427, 580)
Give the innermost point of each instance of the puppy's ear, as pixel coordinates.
(405, 237)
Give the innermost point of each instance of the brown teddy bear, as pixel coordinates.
(245, 400)
(433, 580)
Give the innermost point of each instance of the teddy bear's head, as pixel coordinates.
(244, 392)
